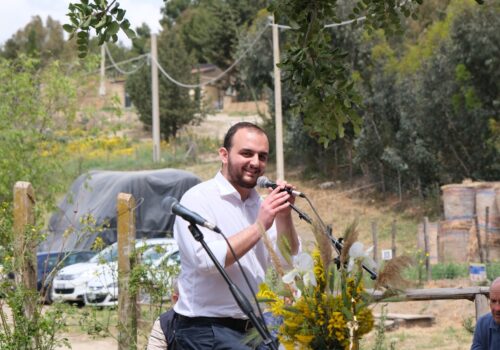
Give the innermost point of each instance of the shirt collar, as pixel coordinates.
(226, 189)
(493, 323)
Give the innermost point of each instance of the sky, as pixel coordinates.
(15, 14)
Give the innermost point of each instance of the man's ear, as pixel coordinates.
(223, 155)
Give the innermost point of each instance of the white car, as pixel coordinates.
(102, 290)
(70, 283)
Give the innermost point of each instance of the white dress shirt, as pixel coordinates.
(202, 290)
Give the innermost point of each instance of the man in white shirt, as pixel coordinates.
(208, 315)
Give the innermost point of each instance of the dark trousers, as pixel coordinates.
(197, 336)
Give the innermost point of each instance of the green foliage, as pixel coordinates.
(177, 107)
(319, 76)
(380, 336)
(107, 18)
(407, 108)
(40, 332)
(44, 42)
(447, 271)
(469, 324)
(492, 270)
(254, 76)
(209, 32)
(29, 114)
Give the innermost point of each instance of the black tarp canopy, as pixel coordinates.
(89, 211)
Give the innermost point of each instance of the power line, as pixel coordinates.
(331, 25)
(193, 86)
(115, 65)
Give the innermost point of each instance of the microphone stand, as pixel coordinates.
(240, 298)
(338, 247)
(302, 215)
(327, 230)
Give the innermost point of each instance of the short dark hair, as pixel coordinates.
(228, 139)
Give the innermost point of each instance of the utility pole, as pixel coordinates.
(156, 101)
(102, 85)
(280, 163)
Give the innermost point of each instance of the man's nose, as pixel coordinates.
(255, 160)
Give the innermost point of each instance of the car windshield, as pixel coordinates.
(152, 254)
(48, 261)
(108, 254)
(173, 258)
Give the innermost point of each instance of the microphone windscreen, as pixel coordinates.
(167, 203)
(263, 182)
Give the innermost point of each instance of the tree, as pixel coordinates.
(36, 40)
(33, 104)
(430, 121)
(468, 87)
(177, 107)
(327, 100)
(209, 32)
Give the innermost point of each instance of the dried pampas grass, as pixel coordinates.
(391, 275)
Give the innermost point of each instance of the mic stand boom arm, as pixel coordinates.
(240, 298)
(339, 246)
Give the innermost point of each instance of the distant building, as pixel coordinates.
(212, 93)
(220, 95)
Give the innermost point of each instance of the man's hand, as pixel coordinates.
(276, 203)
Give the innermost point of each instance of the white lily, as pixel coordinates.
(304, 268)
(357, 252)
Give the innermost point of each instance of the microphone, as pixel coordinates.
(264, 182)
(176, 208)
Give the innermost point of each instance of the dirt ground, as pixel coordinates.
(337, 207)
(448, 332)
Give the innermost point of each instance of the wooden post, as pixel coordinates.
(375, 241)
(478, 235)
(127, 302)
(427, 249)
(481, 304)
(439, 251)
(487, 233)
(24, 244)
(393, 238)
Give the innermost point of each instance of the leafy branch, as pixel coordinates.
(318, 71)
(106, 18)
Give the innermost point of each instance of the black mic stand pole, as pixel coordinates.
(337, 244)
(240, 298)
(302, 215)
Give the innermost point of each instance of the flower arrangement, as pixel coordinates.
(323, 303)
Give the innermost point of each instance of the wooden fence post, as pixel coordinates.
(439, 249)
(393, 238)
(24, 244)
(481, 304)
(479, 243)
(487, 233)
(375, 241)
(427, 249)
(127, 302)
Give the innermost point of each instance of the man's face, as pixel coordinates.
(495, 301)
(246, 159)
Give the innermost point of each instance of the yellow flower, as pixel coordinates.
(365, 320)
(304, 339)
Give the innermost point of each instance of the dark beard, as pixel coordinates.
(240, 182)
(237, 179)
